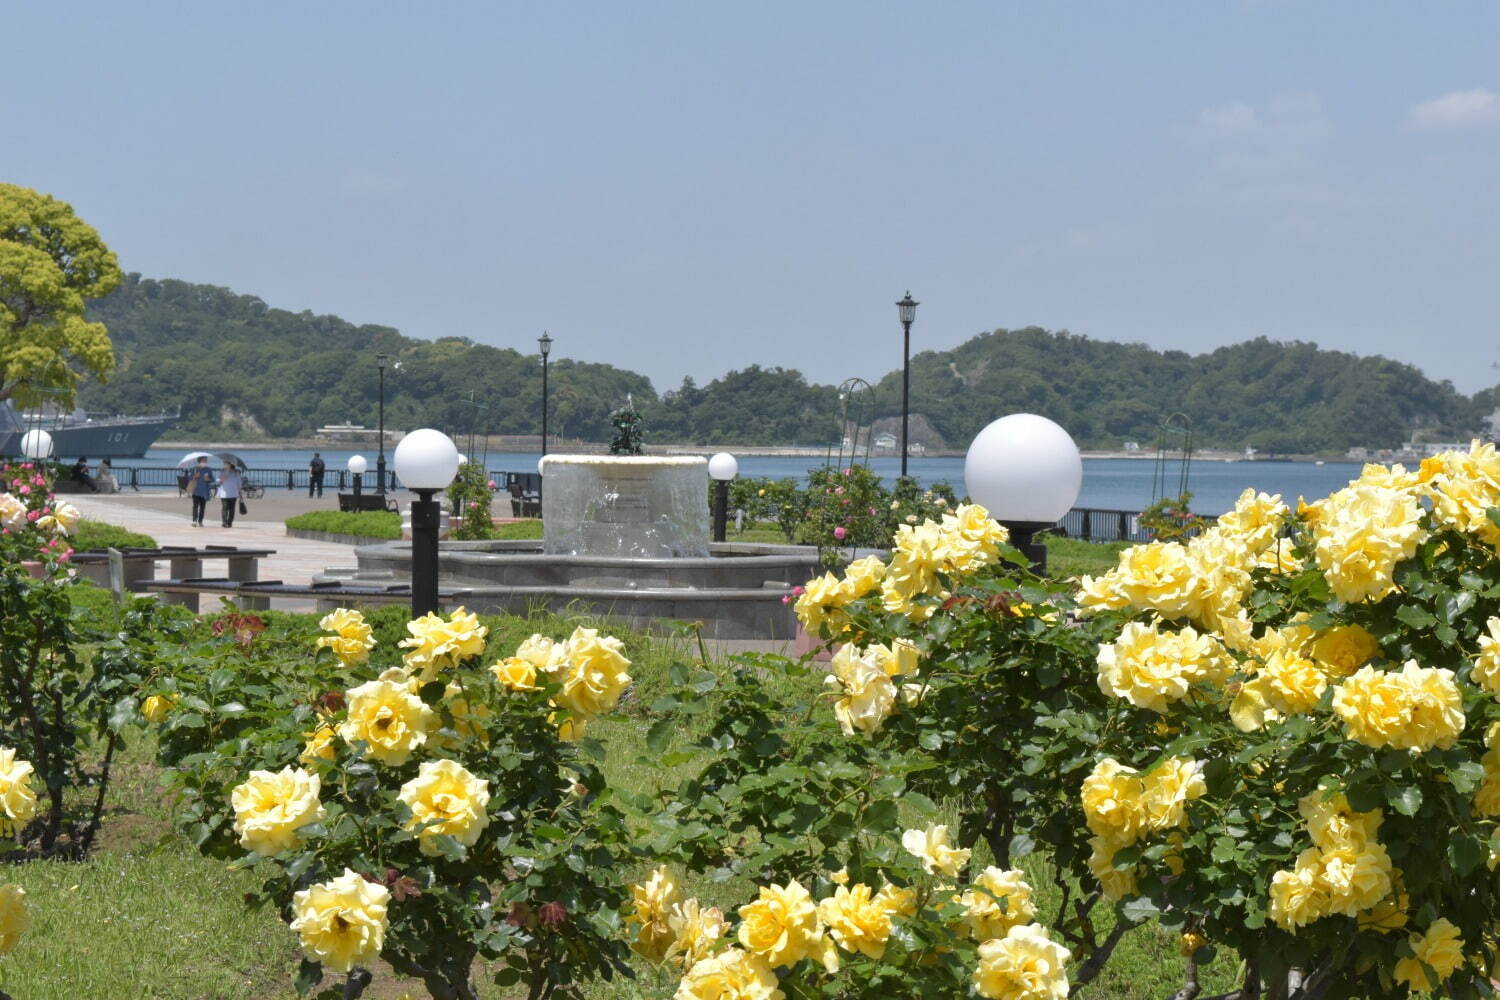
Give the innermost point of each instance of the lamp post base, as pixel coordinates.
(380, 472)
(1023, 537)
(426, 513)
(721, 509)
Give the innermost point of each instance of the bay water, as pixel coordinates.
(1108, 483)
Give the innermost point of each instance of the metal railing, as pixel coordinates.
(151, 477)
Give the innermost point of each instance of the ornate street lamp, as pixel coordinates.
(357, 467)
(545, 343)
(1027, 472)
(426, 462)
(907, 308)
(721, 469)
(380, 458)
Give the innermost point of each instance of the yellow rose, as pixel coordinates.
(1343, 649)
(1333, 824)
(17, 797)
(819, 606)
(1286, 684)
(695, 932)
(388, 719)
(1416, 708)
(937, 854)
(342, 922)
(1255, 521)
(539, 651)
(1167, 789)
(1387, 915)
(1441, 949)
(1298, 896)
(271, 806)
(319, 746)
(15, 918)
(1000, 900)
(782, 926)
(352, 637)
(861, 577)
(1151, 668)
(654, 899)
(1111, 800)
(1116, 883)
(592, 671)
(1160, 576)
(867, 693)
(972, 538)
(857, 920)
(1355, 879)
(899, 900)
(1361, 533)
(900, 658)
(157, 707)
(515, 674)
(1189, 942)
(436, 644)
(1463, 486)
(1024, 965)
(729, 975)
(444, 798)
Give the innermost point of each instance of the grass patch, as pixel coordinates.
(1073, 557)
(364, 524)
(529, 528)
(93, 536)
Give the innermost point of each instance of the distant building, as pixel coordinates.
(885, 442)
(1357, 454)
(1132, 446)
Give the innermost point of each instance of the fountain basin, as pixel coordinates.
(625, 506)
(736, 589)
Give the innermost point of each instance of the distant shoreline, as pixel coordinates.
(777, 451)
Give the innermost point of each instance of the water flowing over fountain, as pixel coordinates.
(624, 536)
(625, 507)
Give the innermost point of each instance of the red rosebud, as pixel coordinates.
(552, 914)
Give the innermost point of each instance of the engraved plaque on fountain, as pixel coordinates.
(624, 508)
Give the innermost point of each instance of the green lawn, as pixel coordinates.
(90, 536)
(365, 524)
(146, 916)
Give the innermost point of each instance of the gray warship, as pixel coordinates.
(82, 433)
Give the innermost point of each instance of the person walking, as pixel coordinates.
(315, 470)
(200, 485)
(229, 493)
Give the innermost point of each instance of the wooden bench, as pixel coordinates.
(525, 489)
(354, 503)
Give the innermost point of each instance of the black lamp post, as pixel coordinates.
(426, 461)
(908, 310)
(545, 343)
(380, 458)
(721, 469)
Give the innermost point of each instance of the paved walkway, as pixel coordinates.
(168, 520)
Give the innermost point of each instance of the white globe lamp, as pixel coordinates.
(463, 459)
(1027, 473)
(723, 466)
(426, 462)
(36, 444)
(358, 465)
(721, 469)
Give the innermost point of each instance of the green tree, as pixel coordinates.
(51, 261)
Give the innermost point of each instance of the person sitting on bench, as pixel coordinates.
(81, 475)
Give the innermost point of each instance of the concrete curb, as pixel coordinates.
(330, 536)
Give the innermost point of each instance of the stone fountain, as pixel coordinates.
(626, 537)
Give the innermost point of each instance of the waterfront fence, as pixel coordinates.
(1091, 524)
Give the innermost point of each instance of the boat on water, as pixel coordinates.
(82, 433)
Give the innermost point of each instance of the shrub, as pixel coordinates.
(380, 524)
(469, 497)
(93, 536)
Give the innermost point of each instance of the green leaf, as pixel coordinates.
(1405, 800)
(1021, 845)
(1418, 618)
(660, 735)
(1465, 853)
(309, 975)
(1139, 909)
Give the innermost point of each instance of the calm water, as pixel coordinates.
(1111, 483)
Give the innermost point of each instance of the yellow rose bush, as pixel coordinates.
(835, 939)
(417, 807)
(71, 684)
(1336, 824)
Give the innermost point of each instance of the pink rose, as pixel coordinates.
(839, 532)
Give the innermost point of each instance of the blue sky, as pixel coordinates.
(685, 188)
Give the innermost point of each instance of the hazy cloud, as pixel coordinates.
(1234, 118)
(1459, 109)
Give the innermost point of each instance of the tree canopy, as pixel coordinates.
(234, 364)
(51, 263)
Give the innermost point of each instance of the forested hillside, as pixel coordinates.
(233, 363)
